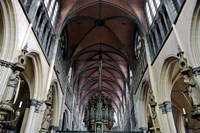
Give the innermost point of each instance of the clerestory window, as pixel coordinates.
(151, 8)
(52, 8)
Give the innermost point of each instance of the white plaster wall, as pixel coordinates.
(38, 89)
(170, 49)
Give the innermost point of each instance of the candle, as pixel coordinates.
(20, 104)
(184, 113)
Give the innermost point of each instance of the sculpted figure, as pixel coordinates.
(46, 118)
(193, 90)
(11, 87)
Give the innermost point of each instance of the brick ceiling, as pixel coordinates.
(101, 29)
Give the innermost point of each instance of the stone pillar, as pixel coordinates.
(168, 109)
(166, 128)
(168, 116)
(34, 108)
(29, 120)
(24, 120)
(6, 69)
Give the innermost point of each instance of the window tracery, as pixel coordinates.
(151, 8)
(52, 8)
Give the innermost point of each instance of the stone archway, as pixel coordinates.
(194, 35)
(23, 98)
(7, 30)
(1, 30)
(169, 74)
(175, 98)
(181, 101)
(52, 110)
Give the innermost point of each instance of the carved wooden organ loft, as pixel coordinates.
(99, 113)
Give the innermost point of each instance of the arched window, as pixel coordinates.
(46, 2)
(54, 14)
(151, 8)
(52, 8)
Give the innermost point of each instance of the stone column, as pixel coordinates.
(29, 120)
(24, 120)
(166, 128)
(168, 109)
(6, 69)
(34, 108)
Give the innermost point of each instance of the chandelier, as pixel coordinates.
(99, 113)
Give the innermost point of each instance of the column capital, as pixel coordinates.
(36, 103)
(162, 107)
(56, 36)
(7, 64)
(166, 107)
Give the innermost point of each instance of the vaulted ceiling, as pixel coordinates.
(101, 29)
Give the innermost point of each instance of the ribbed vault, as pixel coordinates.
(103, 28)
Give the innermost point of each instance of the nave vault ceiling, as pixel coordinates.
(101, 29)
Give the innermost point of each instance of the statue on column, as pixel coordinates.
(192, 86)
(7, 102)
(48, 114)
(46, 121)
(12, 85)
